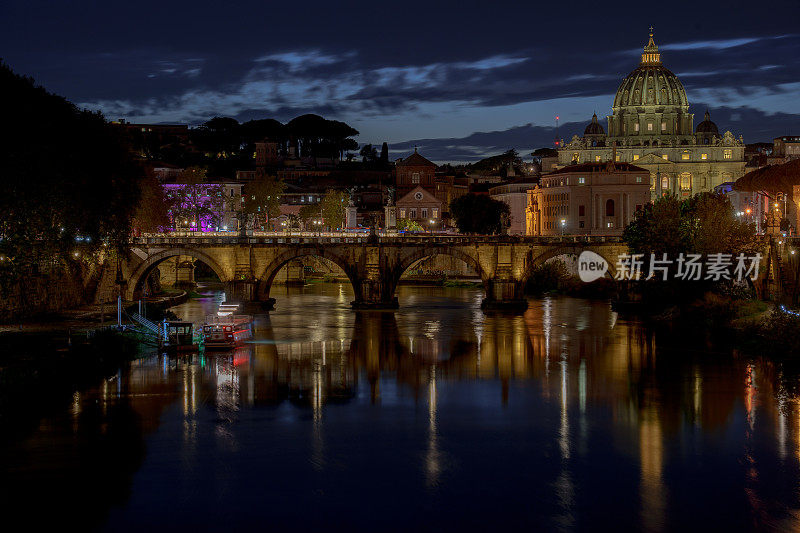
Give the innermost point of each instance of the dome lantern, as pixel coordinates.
(651, 56)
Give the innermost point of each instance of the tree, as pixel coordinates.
(68, 179)
(368, 153)
(262, 199)
(152, 213)
(480, 214)
(703, 224)
(309, 213)
(384, 154)
(195, 204)
(333, 208)
(408, 224)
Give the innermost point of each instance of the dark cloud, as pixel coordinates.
(187, 61)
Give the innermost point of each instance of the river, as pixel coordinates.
(433, 417)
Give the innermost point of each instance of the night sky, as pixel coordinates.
(460, 79)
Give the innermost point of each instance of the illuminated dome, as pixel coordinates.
(651, 84)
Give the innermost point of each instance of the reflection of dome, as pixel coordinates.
(707, 126)
(651, 84)
(594, 127)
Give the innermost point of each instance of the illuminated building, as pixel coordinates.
(651, 127)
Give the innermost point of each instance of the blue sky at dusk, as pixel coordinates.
(459, 79)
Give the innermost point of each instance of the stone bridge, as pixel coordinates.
(247, 265)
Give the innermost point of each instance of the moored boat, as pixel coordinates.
(227, 331)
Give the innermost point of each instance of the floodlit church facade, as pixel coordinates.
(651, 127)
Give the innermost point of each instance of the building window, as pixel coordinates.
(649, 126)
(424, 212)
(412, 213)
(618, 158)
(435, 212)
(663, 126)
(231, 193)
(580, 224)
(703, 156)
(609, 208)
(581, 180)
(576, 157)
(686, 155)
(665, 157)
(638, 179)
(581, 210)
(402, 213)
(686, 181)
(665, 183)
(610, 224)
(636, 127)
(597, 158)
(635, 157)
(727, 154)
(652, 182)
(415, 177)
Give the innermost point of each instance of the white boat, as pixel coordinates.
(227, 331)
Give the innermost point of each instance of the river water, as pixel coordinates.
(434, 417)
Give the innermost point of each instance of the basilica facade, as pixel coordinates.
(651, 127)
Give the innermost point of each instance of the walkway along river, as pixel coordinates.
(435, 416)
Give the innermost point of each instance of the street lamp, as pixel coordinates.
(430, 225)
(563, 225)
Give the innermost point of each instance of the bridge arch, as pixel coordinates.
(409, 258)
(146, 267)
(536, 261)
(266, 277)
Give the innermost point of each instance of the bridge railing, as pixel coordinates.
(259, 237)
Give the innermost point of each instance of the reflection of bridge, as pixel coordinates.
(247, 265)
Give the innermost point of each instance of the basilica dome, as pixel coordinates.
(707, 126)
(651, 84)
(594, 127)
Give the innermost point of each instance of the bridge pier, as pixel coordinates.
(505, 295)
(375, 292)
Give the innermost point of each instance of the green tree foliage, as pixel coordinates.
(310, 212)
(262, 199)
(368, 153)
(385, 154)
(407, 224)
(703, 224)
(480, 214)
(67, 177)
(333, 208)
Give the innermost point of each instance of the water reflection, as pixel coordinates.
(568, 416)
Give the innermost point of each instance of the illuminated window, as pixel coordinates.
(686, 181)
(638, 179)
(597, 158)
(581, 180)
(618, 158)
(727, 154)
(665, 157)
(412, 213)
(649, 126)
(636, 127)
(685, 155)
(635, 157)
(576, 156)
(663, 126)
(402, 213)
(434, 212)
(703, 156)
(415, 177)
(665, 182)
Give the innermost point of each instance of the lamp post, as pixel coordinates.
(563, 225)
(431, 222)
